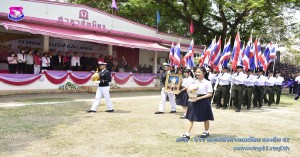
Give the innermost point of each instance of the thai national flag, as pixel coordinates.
(201, 59)
(207, 53)
(215, 54)
(225, 55)
(265, 57)
(236, 52)
(245, 58)
(248, 54)
(257, 54)
(189, 57)
(177, 56)
(273, 51)
(253, 59)
(171, 55)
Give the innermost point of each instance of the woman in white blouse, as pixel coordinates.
(12, 63)
(45, 62)
(182, 97)
(199, 109)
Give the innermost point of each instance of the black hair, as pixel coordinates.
(22, 50)
(204, 72)
(35, 52)
(11, 54)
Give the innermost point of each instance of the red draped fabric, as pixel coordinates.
(54, 80)
(79, 80)
(121, 80)
(143, 83)
(20, 82)
(58, 77)
(131, 55)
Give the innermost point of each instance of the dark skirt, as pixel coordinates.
(200, 111)
(182, 99)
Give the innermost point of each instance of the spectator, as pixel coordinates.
(58, 61)
(75, 62)
(37, 62)
(29, 62)
(67, 61)
(45, 61)
(12, 63)
(21, 61)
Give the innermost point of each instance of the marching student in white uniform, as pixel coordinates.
(222, 88)
(103, 89)
(249, 88)
(237, 84)
(164, 94)
(259, 87)
(269, 88)
(278, 86)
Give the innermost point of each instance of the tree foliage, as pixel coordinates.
(211, 18)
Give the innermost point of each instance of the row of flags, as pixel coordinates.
(249, 56)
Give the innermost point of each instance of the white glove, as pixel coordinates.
(215, 88)
(230, 91)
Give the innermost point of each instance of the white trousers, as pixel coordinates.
(105, 92)
(163, 101)
(37, 69)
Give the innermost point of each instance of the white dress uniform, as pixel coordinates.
(103, 89)
(238, 80)
(278, 88)
(222, 89)
(212, 78)
(164, 96)
(269, 88)
(270, 81)
(250, 80)
(259, 90)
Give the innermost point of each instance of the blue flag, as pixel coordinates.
(157, 17)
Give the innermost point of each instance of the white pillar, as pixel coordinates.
(46, 43)
(110, 48)
(155, 63)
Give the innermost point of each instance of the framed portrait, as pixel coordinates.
(173, 83)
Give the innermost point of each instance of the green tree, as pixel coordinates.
(211, 18)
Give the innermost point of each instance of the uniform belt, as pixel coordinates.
(258, 86)
(198, 95)
(239, 84)
(249, 86)
(223, 85)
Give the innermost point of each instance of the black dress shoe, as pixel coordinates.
(172, 111)
(109, 110)
(158, 112)
(186, 136)
(237, 110)
(248, 108)
(90, 111)
(218, 107)
(204, 135)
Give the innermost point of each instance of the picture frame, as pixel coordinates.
(173, 83)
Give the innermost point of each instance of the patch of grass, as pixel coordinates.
(22, 124)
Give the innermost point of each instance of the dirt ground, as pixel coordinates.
(134, 130)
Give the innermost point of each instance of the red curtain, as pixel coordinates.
(131, 55)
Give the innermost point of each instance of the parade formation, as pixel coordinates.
(249, 81)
